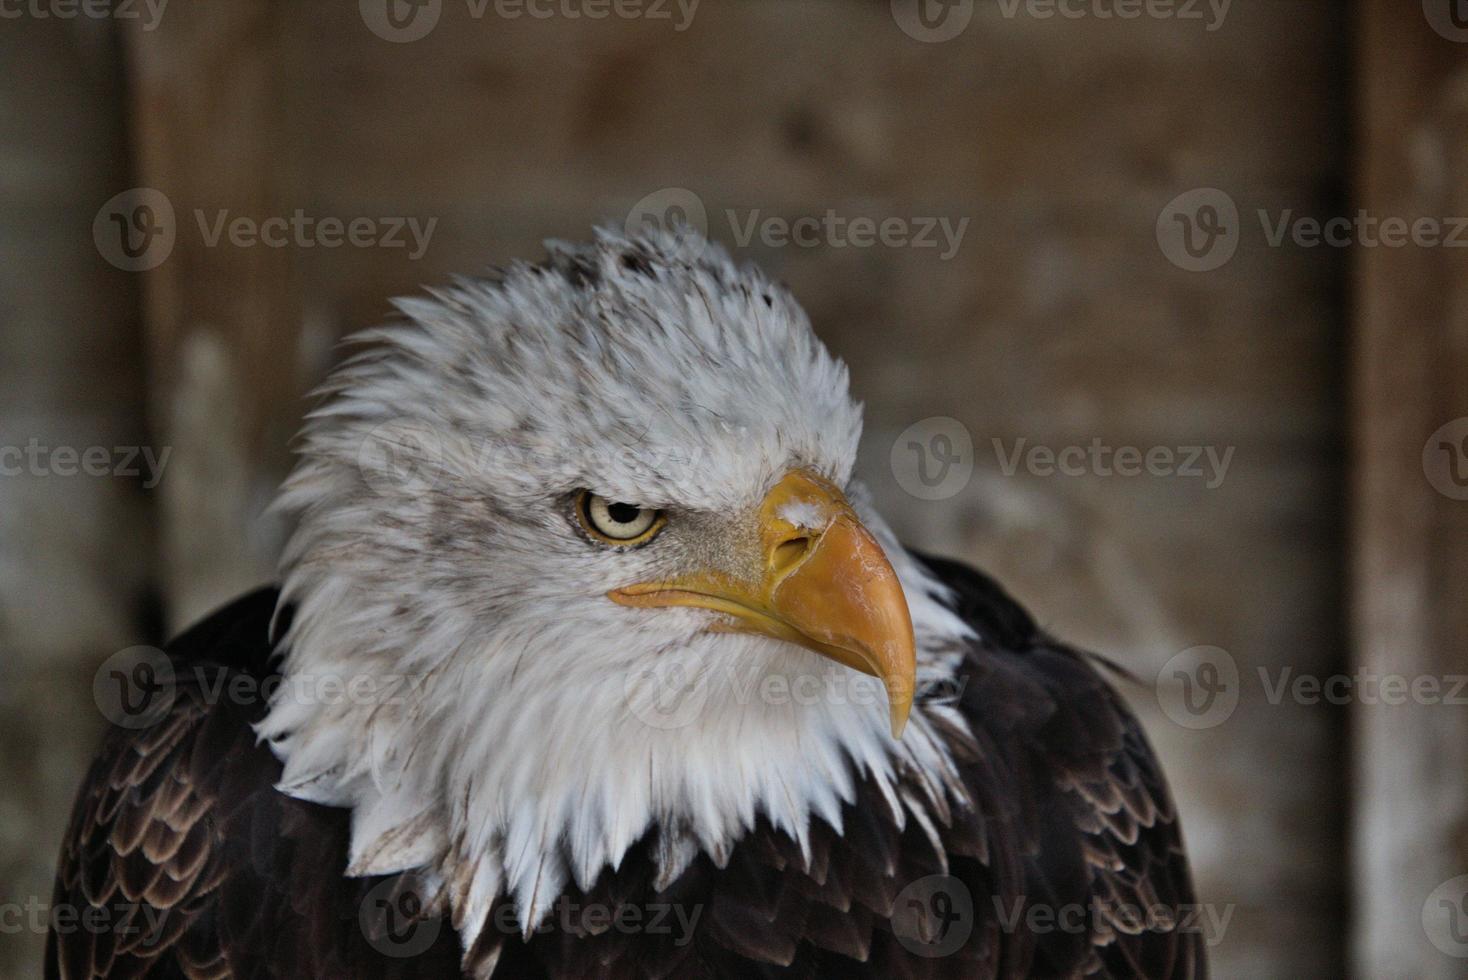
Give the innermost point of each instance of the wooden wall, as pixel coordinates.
(1410, 504)
(77, 555)
(1058, 320)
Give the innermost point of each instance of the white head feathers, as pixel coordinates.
(496, 720)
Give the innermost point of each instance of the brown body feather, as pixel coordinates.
(204, 870)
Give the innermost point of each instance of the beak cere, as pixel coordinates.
(820, 581)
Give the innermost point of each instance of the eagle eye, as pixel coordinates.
(615, 523)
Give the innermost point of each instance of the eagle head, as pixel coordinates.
(579, 545)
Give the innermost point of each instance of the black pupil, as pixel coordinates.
(623, 513)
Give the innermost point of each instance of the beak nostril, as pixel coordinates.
(788, 553)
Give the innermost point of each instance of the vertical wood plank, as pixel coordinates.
(210, 90)
(1410, 523)
(75, 545)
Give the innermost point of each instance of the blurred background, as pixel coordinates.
(1158, 309)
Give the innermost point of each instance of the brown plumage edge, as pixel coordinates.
(196, 867)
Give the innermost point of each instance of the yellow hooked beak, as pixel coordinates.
(819, 580)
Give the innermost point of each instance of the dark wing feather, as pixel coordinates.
(189, 863)
(1066, 809)
(1099, 828)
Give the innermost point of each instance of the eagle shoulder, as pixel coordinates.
(202, 869)
(182, 860)
(1085, 814)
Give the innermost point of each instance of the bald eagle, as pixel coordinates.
(590, 659)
